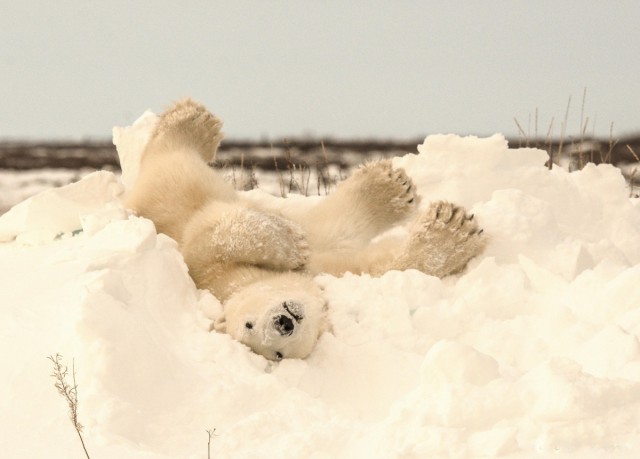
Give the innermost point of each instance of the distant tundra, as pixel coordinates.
(260, 263)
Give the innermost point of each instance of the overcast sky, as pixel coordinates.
(395, 69)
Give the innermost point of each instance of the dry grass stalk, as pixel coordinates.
(322, 174)
(632, 182)
(290, 166)
(633, 172)
(211, 433)
(584, 149)
(563, 131)
(583, 128)
(547, 146)
(298, 174)
(633, 153)
(247, 180)
(303, 171)
(548, 143)
(612, 143)
(521, 134)
(69, 391)
(283, 192)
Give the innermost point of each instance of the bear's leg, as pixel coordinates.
(232, 234)
(374, 259)
(174, 180)
(442, 240)
(223, 236)
(187, 124)
(372, 200)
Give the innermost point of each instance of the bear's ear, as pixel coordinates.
(220, 324)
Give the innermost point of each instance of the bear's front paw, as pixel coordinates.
(389, 194)
(442, 240)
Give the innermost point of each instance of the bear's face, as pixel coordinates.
(277, 319)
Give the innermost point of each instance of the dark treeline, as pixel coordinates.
(24, 155)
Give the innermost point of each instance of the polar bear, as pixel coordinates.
(260, 263)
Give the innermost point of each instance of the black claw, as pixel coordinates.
(480, 232)
(454, 213)
(410, 200)
(471, 217)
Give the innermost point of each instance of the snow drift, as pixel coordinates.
(532, 350)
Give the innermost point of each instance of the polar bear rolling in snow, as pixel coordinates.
(260, 263)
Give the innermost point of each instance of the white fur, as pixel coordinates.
(260, 263)
(261, 303)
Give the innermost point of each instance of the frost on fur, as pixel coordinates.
(260, 263)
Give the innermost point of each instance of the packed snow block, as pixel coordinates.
(129, 236)
(540, 279)
(569, 408)
(493, 299)
(622, 348)
(524, 207)
(139, 308)
(576, 394)
(451, 362)
(607, 294)
(467, 170)
(519, 223)
(130, 142)
(495, 442)
(53, 213)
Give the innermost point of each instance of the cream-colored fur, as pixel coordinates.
(260, 263)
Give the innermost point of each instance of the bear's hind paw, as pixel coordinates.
(189, 123)
(442, 240)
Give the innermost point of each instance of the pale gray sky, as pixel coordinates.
(384, 69)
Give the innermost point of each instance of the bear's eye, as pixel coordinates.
(248, 325)
(279, 356)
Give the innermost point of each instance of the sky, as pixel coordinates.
(331, 69)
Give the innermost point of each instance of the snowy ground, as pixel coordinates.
(16, 186)
(532, 352)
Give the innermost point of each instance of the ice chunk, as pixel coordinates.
(450, 362)
(55, 212)
(130, 142)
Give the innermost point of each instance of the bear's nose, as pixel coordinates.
(283, 325)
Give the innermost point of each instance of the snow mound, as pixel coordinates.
(52, 213)
(533, 350)
(130, 142)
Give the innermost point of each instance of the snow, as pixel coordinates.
(532, 351)
(16, 186)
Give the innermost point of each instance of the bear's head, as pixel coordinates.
(278, 318)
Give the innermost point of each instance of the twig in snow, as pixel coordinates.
(69, 392)
(211, 433)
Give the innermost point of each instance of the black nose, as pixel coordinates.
(284, 325)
